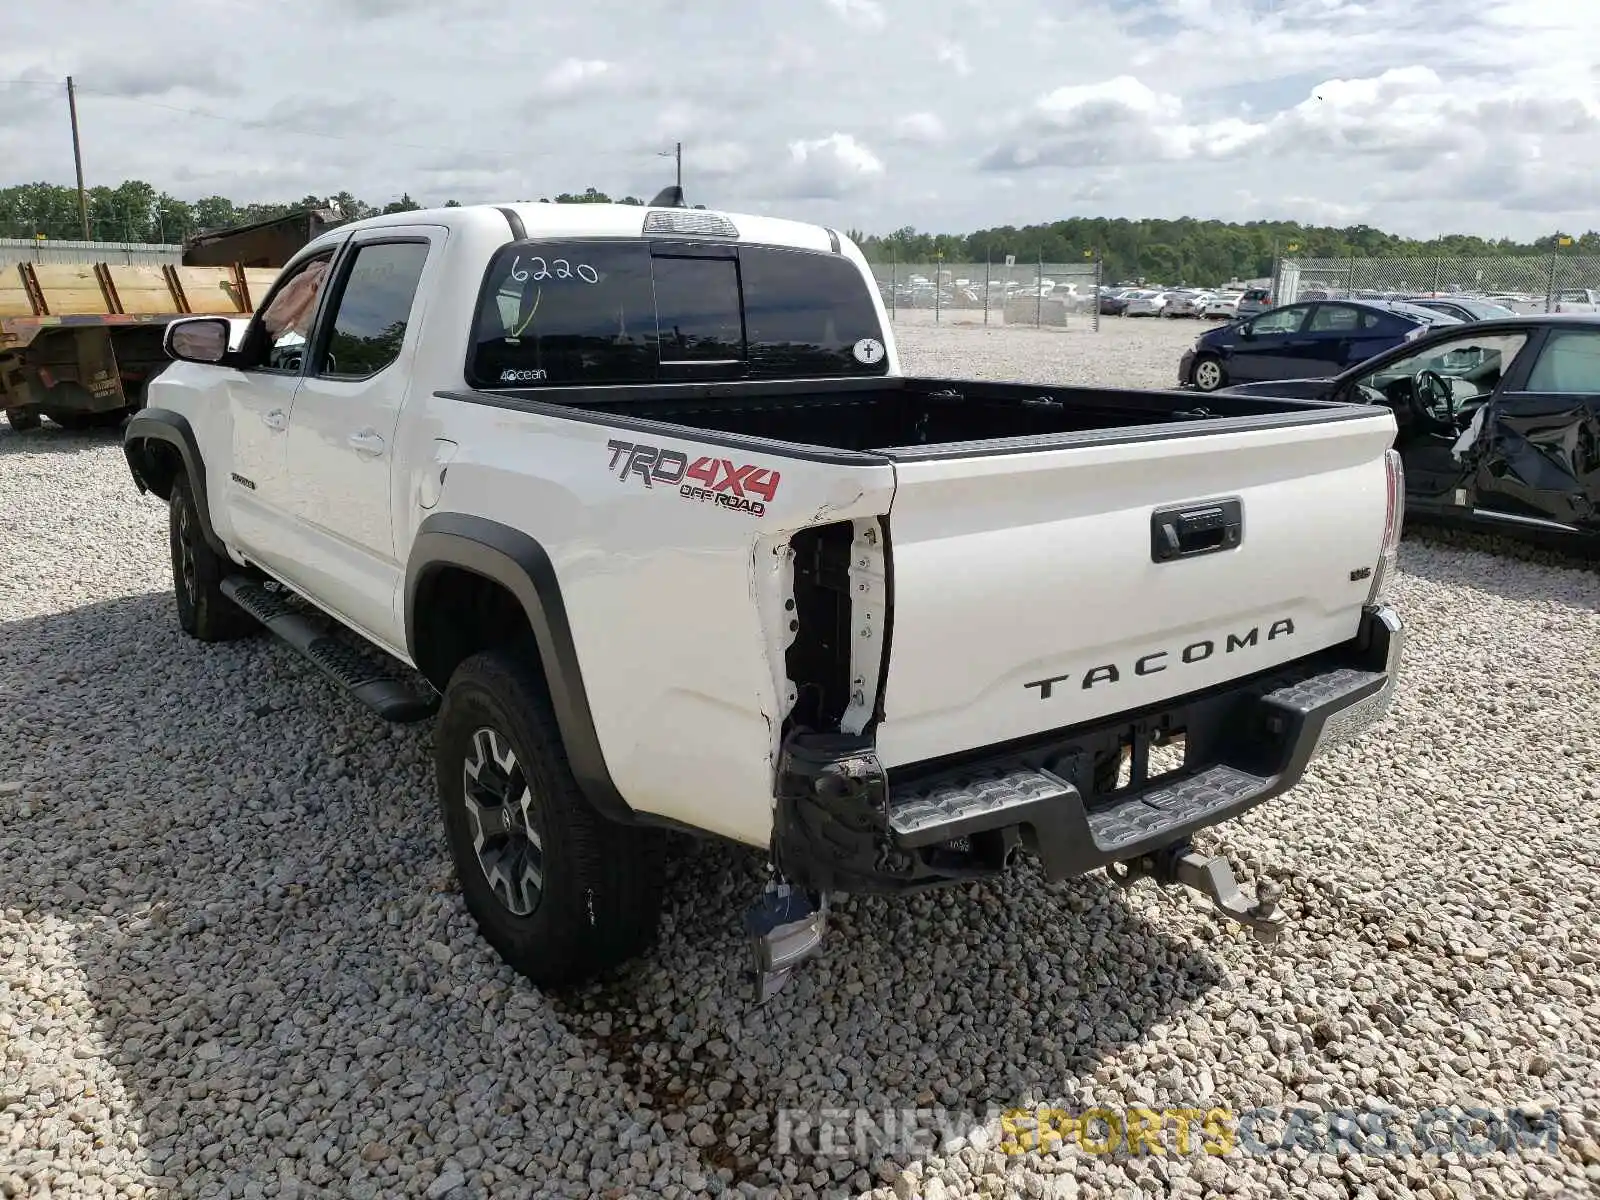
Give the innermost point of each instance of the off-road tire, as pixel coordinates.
(600, 898)
(1207, 373)
(22, 420)
(197, 571)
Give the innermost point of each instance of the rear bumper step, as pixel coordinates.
(844, 824)
(330, 653)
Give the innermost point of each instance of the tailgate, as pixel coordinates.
(1027, 595)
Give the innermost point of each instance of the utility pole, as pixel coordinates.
(77, 158)
(677, 153)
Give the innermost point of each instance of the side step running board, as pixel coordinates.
(331, 654)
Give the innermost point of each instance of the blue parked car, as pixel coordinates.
(1300, 341)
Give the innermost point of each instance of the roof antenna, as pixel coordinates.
(669, 197)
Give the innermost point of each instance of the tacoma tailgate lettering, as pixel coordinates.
(1194, 652)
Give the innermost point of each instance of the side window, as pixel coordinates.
(697, 310)
(277, 341)
(573, 313)
(1569, 364)
(1334, 318)
(1282, 320)
(372, 309)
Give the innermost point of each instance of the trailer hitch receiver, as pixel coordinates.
(1211, 877)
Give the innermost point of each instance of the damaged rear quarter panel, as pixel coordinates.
(670, 596)
(1543, 452)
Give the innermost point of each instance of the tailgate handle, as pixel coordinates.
(1189, 530)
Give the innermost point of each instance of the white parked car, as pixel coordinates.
(1146, 304)
(1222, 304)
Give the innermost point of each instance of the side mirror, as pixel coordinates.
(1246, 332)
(198, 339)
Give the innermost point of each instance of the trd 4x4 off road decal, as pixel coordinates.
(718, 481)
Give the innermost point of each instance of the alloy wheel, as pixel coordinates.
(187, 568)
(502, 818)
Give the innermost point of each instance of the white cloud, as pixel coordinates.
(1433, 115)
(573, 75)
(1405, 134)
(828, 168)
(921, 127)
(1117, 120)
(954, 55)
(862, 14)
(719, 159)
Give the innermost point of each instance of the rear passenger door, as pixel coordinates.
(1541, 454)
(1339, 336)
(343, 490)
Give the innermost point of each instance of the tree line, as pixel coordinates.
(134, 211)
(1189, 250)
(1171, 251)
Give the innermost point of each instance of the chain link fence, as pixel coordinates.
(1007, 292)
(1524, 284)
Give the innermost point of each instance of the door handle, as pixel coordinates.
(277, 420)
(366, 441)
(1189, 530)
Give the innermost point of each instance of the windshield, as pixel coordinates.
(624, 311)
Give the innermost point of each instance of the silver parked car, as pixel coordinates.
(1145, 304)
(1254, 301)
(1186, 302)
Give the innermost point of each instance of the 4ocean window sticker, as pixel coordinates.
(706, 480)
(561, 269)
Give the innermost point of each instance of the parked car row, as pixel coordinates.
(1217, 304)
(917, 291)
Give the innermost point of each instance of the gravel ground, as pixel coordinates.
(233, 962)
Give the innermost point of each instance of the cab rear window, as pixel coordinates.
(610, 312)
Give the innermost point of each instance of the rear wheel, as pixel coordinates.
(197, 571)
(1208, 374)
(560, 892)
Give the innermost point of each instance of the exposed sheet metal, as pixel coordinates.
(1544, 451)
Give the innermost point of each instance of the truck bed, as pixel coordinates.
(920, 417)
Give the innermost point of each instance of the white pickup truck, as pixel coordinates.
(1577, 300)
(637, 503)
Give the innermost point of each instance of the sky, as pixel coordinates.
(1420, 117)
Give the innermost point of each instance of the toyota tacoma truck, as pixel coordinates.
(637, 506)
